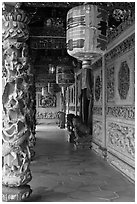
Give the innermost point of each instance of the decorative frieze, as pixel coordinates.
(121, 138)
(124, 46)
(47, 115)
(114, 33)
(121, 112)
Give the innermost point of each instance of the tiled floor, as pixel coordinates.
(61, 174)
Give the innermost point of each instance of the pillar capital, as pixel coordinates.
(14, 24)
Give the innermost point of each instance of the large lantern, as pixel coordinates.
(86, 32)
(65, 74)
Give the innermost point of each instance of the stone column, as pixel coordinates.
(32, 108)
(17, 79)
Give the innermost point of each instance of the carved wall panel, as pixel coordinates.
(121, 141)
(125, 46)
(125, 79)
(98, 87)
(122, 112)
(97, 131)
(110, 76)
(120, 80)
(47, 115)
(46, 101)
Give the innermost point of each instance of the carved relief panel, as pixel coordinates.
(110, 77)
(121, 140)
(98, 87)
(125, 79)
(97, 131)
(120, 80)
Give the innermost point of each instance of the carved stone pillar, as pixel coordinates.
(17, 80)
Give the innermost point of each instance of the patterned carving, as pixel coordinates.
(123, 80)
(15, 194)
(121, 112)
(98, 88)
(97, 110)
(110, 84)
(124, 46)
(97, 131)
(47, 115)
(16, 129)
(122, 138)
(46, 101)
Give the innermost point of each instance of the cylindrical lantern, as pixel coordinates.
(86, 32)
(64, 75)
(44, 91)
(51, 88)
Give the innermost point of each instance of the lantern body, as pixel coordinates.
(44, 91)
(64, 75)
(86, 32)
(51, 88)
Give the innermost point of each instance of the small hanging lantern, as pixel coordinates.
(51, 88)
(51, 69)
(45, 91)
(64, 75)
(86, 32)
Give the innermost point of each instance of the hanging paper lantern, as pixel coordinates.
(45, 91)
(51, 88)
(86, 32)
(64, 75)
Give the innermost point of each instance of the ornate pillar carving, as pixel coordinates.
(17, 101)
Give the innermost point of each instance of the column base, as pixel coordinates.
(15, 194)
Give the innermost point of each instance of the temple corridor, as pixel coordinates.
(68, 80)
(62, 174)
